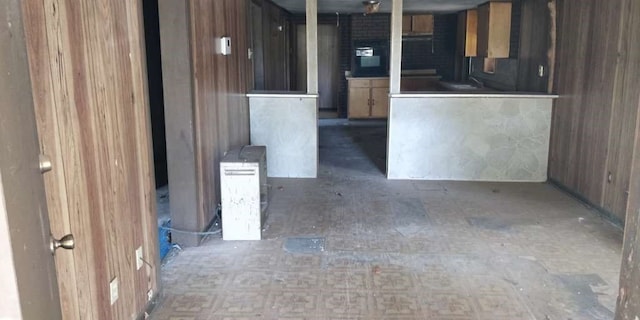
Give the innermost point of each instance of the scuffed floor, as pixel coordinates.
(401, 249)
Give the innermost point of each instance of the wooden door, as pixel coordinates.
(27, 269)
(328, 66)
(379, 102)
(88, 72)
(359, 99)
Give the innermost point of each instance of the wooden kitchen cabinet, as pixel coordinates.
(406, 24)
(494, 29)
(359, 103)
(468, 33)
(368, 98)
(380, 102)
(419, 24)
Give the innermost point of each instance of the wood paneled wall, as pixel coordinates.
(220, 84)
(89, 86)
(597, 74)
(212, 92)
(535, 42)
(628, 306)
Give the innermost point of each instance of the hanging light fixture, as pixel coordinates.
(371, 6)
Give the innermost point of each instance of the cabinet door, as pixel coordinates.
(422, 24)
(499, 29)
(380, 102)
(494, 29)
(359, 102)
(406, 24)
(471, 34)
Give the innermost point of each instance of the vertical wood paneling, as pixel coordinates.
(628, 304)
(204, 59)
(274, 46)
(624, 109)
(218, 85)
(594, 119)
(241, 68)
(535, 40)
(87, 66)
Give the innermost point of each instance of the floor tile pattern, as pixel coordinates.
(402, 250)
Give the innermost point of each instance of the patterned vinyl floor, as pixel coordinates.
(402, 249)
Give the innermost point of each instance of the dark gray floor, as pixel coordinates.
(355, 148)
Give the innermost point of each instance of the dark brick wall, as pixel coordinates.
(516, 15)
(345, 64)
(417, 52)
(438, 52)
(373, 26)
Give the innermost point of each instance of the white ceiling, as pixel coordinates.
(355, 6)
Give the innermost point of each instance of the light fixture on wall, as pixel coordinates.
(371, 6)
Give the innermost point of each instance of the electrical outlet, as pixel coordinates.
(149, 294)
(113, 288)
(139, 258)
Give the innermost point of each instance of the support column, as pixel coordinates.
(178, 110)
(396, 47)
(312, 46)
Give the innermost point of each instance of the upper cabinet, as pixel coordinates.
(468, 33)
(494, 29)
(418, 24)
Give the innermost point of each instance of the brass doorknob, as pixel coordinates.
(66, 242)
(45, 164)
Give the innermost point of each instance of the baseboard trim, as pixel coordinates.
(151, 305)
(602, 212)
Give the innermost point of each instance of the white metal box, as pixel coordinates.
(243, 190)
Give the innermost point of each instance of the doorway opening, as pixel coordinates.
(346, 146)
(328, 67)
(156, 106)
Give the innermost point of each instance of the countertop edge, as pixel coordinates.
(474, 95)
(282, 95)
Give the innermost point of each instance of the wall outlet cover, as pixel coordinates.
(113, 289)
(139, 258)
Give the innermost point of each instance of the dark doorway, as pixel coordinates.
(156, 98)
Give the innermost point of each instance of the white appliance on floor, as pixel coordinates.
(243, 188)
